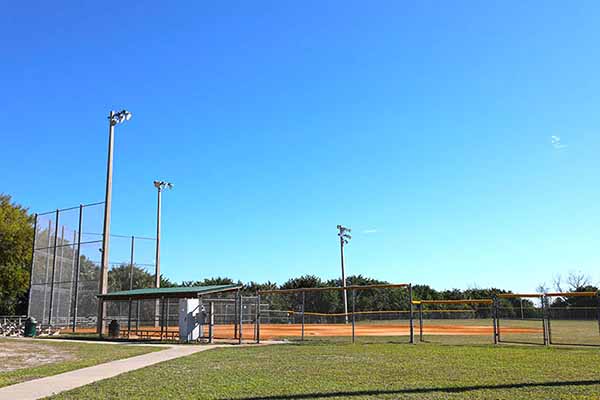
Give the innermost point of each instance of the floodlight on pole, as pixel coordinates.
(160, 185)
(344, 235)
(114, 118)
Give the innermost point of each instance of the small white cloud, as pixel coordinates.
(556, 142)
(369, 231)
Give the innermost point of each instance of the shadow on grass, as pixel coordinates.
(458, 389)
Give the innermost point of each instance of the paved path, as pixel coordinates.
(43, 387)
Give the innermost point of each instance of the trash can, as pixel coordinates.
(114, 329)
(30, 327)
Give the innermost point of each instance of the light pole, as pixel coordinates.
(344, 235)
(114, 118)
(160, 185)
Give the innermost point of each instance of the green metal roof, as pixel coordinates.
(170, 292)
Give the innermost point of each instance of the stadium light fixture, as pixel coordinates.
(344, 235)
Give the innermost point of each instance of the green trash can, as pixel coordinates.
(30, 327)
(114, 329)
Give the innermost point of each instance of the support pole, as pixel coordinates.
(106, 226)
(167, 316)
(131, 263)
(353, 313)
(236, 314)
(303, 305)
(544, 325)
(420, 322)
(548, 318)
(241, 305)
(598, 310)
(129, 319)
(345, 293)
(494, 317)
(257, 319)
(53, 271)
(102, 325)
(60, 270)
(137, 315)
(411, 323)
(35, 220)
(162, 315)
(499, 338)
(46, 270)
(77, 268)
(211, 322)
(71, 279)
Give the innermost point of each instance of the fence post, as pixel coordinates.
(53, 270)
(137, 314)
(235, 315)
(211, 321)
(411, 322)
(46, 271)
(257, 323)
(241, 318)
(60, 269)
(420, 322)
(162, 316)
(303, 304)
(77, 268)
(544, 320)
(35, 218)
(129, 320)
(598, 310)
(131, 262)
(353, 313)
(494, 317)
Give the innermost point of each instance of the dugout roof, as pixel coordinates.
(168, 293)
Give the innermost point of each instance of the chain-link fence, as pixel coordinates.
(375, 313)
(65, 271)
(573, 318)
(456, 321)
(521, 318)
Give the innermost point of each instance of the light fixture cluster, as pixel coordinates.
(118, 117)
(344, 234)
(161, 185)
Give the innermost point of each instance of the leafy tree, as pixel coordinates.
(16, 233)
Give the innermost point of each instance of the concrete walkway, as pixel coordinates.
(44, 387)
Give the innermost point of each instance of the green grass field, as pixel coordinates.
(365, 371)
(24, 360)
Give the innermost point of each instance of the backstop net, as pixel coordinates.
(356, 313)
(520, 318)
(573, 318)
(65, 271)
(455, 321)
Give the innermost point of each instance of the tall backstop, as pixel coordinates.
(65, 269)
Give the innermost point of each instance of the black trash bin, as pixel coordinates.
(30, 327)
(114, 329)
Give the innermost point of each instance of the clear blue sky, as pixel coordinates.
(425, 126)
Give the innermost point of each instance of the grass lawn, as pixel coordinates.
(363, 371)
(23, 360)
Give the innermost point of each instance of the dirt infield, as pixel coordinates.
(278, 331)
(272, 331)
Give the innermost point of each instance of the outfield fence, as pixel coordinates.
(318, 313)
(471, 319)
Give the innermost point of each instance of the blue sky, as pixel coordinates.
(426, 127)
